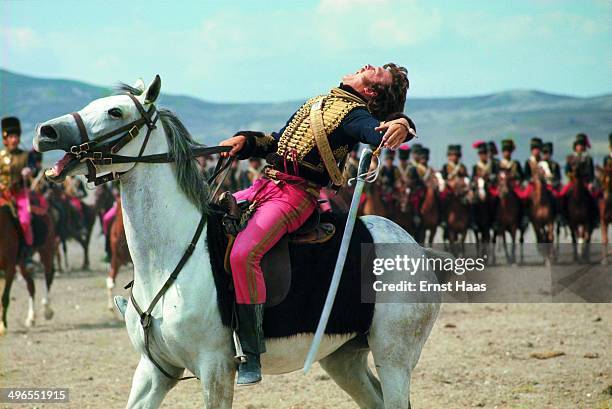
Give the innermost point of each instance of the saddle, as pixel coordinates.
(276, 263)
(296, 289)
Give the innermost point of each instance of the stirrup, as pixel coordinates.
(249, 372)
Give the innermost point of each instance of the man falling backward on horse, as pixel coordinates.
(308, 153)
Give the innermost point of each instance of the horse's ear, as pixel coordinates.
(153, 90)
(139, 85)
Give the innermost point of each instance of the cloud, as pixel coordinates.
(20, 37)
(387, 24)
(486, 28)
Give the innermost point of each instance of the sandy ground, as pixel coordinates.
(478, 356)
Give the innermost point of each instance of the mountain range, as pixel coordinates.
(520, 114)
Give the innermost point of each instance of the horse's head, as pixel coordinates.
(543, 173)
(104, 122)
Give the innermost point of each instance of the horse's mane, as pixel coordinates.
(180, 143)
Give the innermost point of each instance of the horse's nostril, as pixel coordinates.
(47, 131)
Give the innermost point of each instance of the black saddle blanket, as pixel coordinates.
(311, 268)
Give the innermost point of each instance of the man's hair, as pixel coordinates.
(390, 98)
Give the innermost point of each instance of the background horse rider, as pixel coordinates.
(511, 166)
(15, 176)
(555, 168)
(404, 164)
(580, 157)
(390, 179)
(485, 167)
(450, 170)
(532, 162)
(305, 155)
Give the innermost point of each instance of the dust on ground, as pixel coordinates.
(478, 356)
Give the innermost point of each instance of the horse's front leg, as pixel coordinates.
(149, 385)
(217, 377)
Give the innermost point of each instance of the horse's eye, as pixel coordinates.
(115, 113)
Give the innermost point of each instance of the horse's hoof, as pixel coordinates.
(30, 322)
(2, 329)
(110, 283)
(48, 312)
(121, 304)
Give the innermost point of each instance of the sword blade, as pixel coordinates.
(364, 164)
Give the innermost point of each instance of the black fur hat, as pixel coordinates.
(404, 152)
(492, 148)
(536, 143)
(582, 139)
(508, 145)
(454, 149)
(10, 125)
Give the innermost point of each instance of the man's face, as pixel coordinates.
(453, 157)
(507, 154)
(365, 77)
(484, 156)
(535, 152)
(11, 141)
(545, 155)
(579, 148)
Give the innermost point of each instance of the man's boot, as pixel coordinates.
(250, 332)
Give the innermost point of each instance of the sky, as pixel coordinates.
(263, 51)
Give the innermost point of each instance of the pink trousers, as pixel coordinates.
(282, 207)
(108, 218)
(25, 215)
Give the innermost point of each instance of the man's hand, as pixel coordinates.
(26, 172)
(397, 132)
(236, 142)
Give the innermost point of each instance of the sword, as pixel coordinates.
(362, 176)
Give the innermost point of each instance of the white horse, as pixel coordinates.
(160, 212)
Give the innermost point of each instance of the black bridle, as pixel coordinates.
(102, 151)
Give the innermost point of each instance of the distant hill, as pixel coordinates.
(520, 114)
